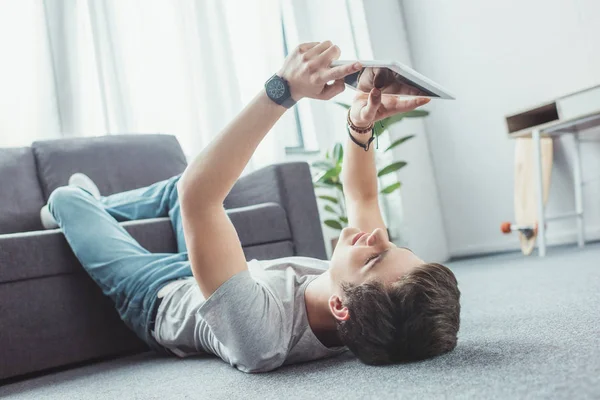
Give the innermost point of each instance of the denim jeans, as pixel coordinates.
(126, 272)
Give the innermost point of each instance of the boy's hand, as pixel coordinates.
(307, 70)
(372, 107)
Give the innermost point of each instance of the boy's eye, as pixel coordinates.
(374, 256)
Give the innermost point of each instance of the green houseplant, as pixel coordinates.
(328, 184)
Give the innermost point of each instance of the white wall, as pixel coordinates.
(500, 57)
(415, 216)
(421, 212)
(310, 20)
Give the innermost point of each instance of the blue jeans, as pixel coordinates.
(126, 272)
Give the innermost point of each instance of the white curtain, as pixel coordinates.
(171, 66)
(183, 67)
(27, 100)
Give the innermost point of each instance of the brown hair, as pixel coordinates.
(414, 318)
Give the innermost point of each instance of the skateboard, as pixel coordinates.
(525, 194)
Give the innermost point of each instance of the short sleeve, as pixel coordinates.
(247, 319)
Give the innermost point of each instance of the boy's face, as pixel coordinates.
(361, 257)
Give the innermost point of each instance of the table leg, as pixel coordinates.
(578, 183)
(537, 156)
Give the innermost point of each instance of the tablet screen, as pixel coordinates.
(390, 82)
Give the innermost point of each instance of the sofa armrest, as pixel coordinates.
(290, 185)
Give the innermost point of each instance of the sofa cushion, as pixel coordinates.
(269, 251)
(260, 224)
(116, 163)
(20, 194)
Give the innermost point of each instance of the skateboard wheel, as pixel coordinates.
(505, 227)
(529, 233)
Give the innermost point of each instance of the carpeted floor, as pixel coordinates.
(530, 329)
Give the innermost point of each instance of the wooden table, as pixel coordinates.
(570, 126)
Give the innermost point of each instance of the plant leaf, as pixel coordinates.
(344, 219)
(329, 184)
(394, 119)
(333, 224)
(329, 198)
(338, 153)
(346, 106)
(322, 164)
(416, 114)
(410, 114)
(399, 142)
(317, 182)
(329, 175)
(391, 168)
(389, 189)
(331, 209)
(379, 127)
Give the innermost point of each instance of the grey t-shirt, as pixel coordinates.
(256, 321)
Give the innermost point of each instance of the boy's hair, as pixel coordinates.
(415, 318)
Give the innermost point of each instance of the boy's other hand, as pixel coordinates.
(368, 108)
(308, 69)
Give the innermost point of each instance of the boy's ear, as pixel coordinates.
(337, 308)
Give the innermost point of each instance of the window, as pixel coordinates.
(86, 68)
(319, 123)
(295, 138)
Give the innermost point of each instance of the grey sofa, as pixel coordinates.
(51, 313)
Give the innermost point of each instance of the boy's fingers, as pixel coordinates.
(340, 72)
(326, 57)
(318, 49)
(304, 47)
(409, 105)
(370, 110)
(333, 90)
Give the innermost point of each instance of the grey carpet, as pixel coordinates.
(530, 329)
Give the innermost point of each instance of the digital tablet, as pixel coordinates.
(393, 78)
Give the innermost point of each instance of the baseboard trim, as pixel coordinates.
(592, 234)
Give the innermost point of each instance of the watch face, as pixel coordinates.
(276, 88)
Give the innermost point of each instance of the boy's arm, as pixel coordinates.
(359, 175)
(214, 248)
(359, 172)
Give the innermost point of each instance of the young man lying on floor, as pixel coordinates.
(380, 301)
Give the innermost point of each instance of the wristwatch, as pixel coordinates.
(278, 90)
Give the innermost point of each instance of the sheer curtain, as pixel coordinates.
(183, 67)
(27, 101)
(172, 66)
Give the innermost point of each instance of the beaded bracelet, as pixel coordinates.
(358, 129)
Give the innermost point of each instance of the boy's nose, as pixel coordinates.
(375, 237)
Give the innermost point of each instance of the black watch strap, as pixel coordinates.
(288, 103)
(365, 146)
